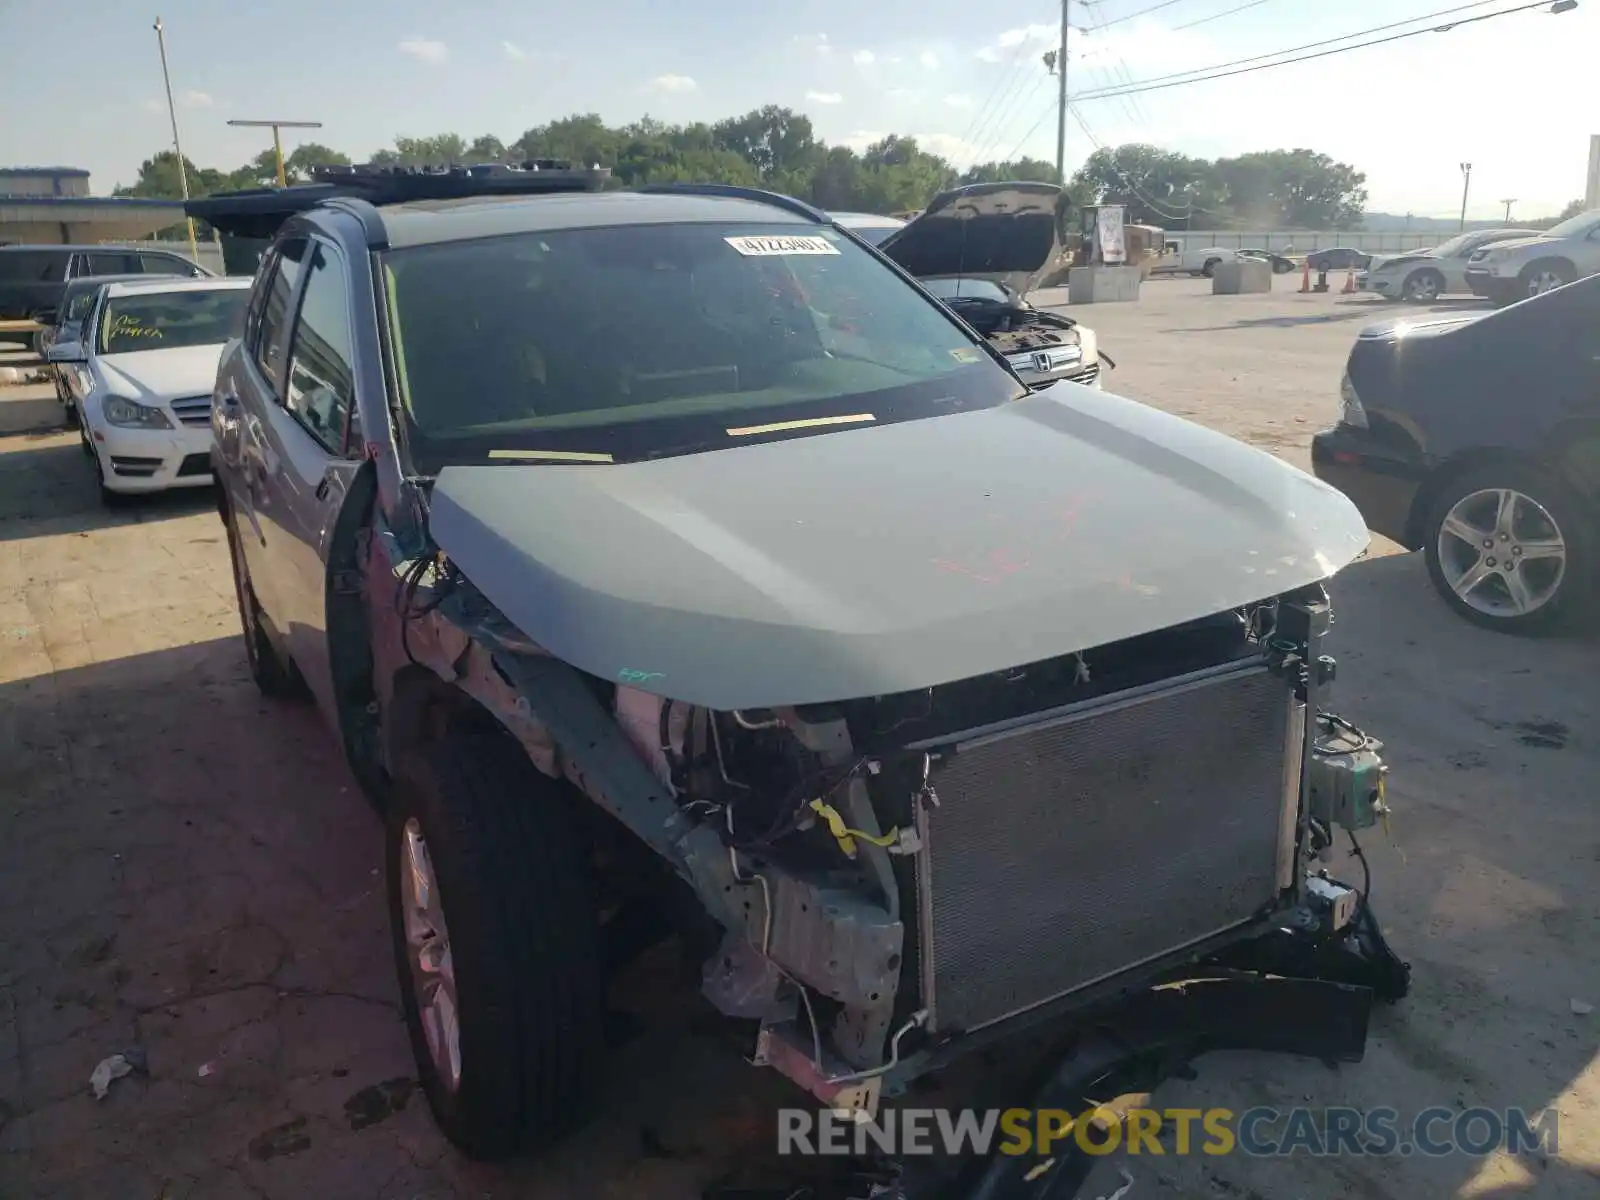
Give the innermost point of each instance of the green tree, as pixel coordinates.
(1034, 169)
(779, 142)
(1293, 189)
(1156, 186)
(486, 148)
(158, 179)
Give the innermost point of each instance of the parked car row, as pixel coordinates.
(33, 278)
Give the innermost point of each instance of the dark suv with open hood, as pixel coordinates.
(668, 562)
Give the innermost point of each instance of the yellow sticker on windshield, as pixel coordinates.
(757, 246)
(967, 355)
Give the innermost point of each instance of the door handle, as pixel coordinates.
(322, 489)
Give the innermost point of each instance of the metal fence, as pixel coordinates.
(1299, 241)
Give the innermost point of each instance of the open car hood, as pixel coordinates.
(890, 558)
(1005, 232)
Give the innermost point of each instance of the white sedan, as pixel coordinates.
(1422, 276)
(142, 378)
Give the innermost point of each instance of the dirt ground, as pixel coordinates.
(188, 871)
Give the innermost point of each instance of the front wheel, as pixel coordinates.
(1423, 287)
(1511, 549)
(1542, 277)
(1210, 268)
(497, 943)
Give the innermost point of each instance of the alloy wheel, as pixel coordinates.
(1544, 281)
(1502, 553)
(433, 972)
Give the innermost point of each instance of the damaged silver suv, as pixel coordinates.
(670, 564)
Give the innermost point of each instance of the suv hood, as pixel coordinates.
(1521, 243)
(891, 558)
(157, 374)
(1005, 232)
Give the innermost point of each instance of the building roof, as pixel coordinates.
(75, 172)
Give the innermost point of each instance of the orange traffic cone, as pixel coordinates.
(1349, 282)
(1305, 277)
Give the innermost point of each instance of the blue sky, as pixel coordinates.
(963, 76)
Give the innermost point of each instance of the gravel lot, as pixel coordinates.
(187, 869)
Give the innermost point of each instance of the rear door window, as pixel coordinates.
(321, 384)
(118, 262)
(165, 264)
(273, 317)
(34, 266)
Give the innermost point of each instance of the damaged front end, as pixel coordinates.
(903, 878)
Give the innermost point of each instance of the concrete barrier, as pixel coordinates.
(1244, 277)
(1095, 285)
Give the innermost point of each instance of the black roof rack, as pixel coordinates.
(258, 212)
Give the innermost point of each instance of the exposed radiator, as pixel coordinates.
(1078, 846)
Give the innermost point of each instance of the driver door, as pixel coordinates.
(307, 441)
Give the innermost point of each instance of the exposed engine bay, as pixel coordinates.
(912, 869)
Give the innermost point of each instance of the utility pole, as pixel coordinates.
(1508, 204)
(277, 139)
(1061, 115)
(172, 111)
(1466, 182)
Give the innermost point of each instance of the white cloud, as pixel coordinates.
(424, 49)
(155, 106)
(861, 139)
(816, 41)
(1008, 43)
(514, 51)
(194, 99)
(928, 59)
(894, 60)
(903, 93)
(959, 151)
(863, 58)
(673, 83)
(824, 97)
(958, 101)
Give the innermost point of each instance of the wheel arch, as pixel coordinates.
(1550, 260)
(1448, 472)
(1463, 461)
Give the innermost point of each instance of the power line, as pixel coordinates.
(1141, 13)
(1200, 75)
(1218, 16)
(1127, 182)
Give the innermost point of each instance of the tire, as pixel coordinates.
(1210, 268)
(511, 879)
(1422, 287)
(1544, 276)
(1553, 593)
(275, 677)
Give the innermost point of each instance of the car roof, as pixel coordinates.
(857, 220)
(147, 285)
(423, 222)
(90, 248)
(87, 283)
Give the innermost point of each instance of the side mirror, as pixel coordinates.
(64, 352)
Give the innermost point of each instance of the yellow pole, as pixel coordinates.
(277, 150)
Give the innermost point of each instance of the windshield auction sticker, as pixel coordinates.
(757, 246)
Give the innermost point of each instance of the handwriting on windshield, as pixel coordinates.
(129, 328)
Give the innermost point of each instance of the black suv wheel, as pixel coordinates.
(496, 939)
(1511, 548)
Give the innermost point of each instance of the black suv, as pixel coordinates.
(1473, 439)
(32, 278)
